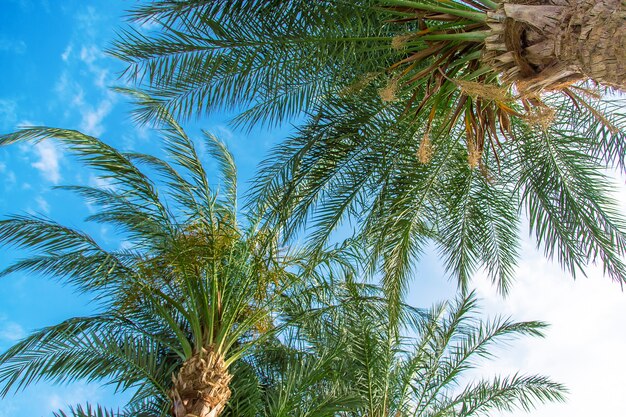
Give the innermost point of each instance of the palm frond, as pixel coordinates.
(506, 394)
(90, 411)
(66, 253)
(568, 202)
(223, 56)
(228, 171)
(96, 348)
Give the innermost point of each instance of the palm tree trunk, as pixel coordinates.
(201, 387)
(547, 44)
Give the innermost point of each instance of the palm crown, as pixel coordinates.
(426, 120)
(413, 366)
(190, 294)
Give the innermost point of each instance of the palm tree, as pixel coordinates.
(181, 303)
(415, 366)
(425, 120)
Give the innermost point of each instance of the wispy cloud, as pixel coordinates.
(89, 55)
(48, 163)
(8, 113)
(86, 45)
(79, 393)
(91, 117)
(42, 204)
(223, 133)
(67, 52)
(91, 122)
(12, 46)
(9, 179)
(10, 331)
(149, 25)
(69, 89)
(84, 62)
(99, 182)
(88, 21)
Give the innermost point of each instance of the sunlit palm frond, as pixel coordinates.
(568, 200)
(101, 348)
(360, 163)
(273, 59)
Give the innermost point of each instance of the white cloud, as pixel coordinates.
(14, 46)
(143, 131)
(8, 113)
(69, 89)
(585, 343)
(79, 97)
(10, 331)
(104, 235)
(88, 22)
(67, 52)
(9, 179)
(89, 54)
(42, 204)
(63, 83)
(99, 182)
(223, 133)
(78, 393)
(48, 162)
(91, 122)
(149, 25)
(101, 78)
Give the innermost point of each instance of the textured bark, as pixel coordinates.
(201, 386)
(548, 44)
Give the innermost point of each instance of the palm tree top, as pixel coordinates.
(191, 291)
(424, 120)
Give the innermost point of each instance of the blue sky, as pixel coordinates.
(54, 73)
